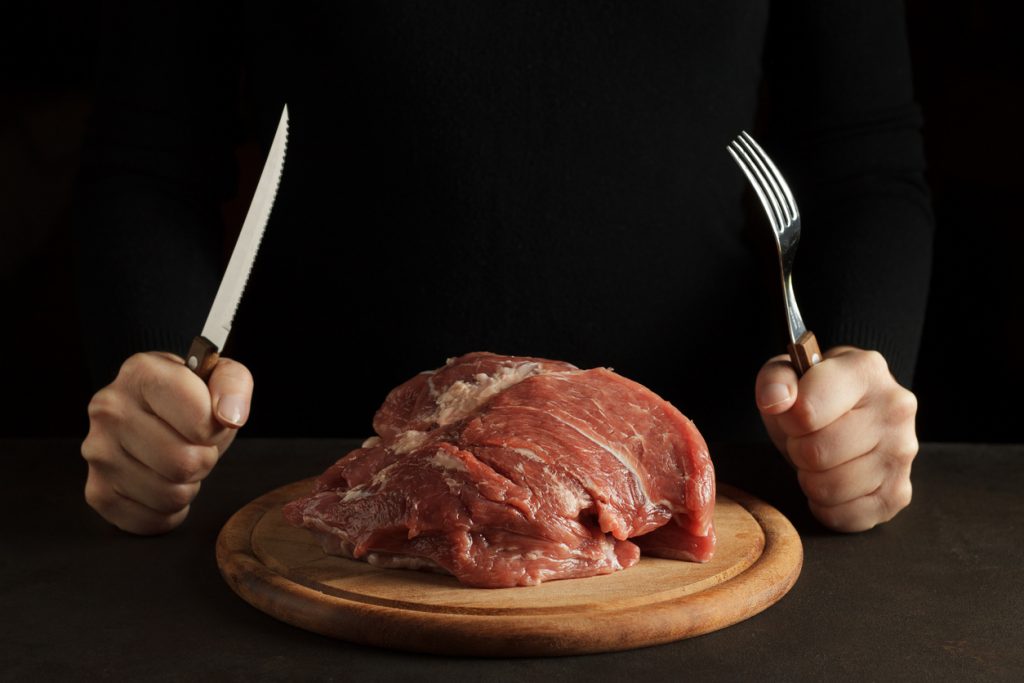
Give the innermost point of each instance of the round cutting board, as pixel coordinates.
(281, 570)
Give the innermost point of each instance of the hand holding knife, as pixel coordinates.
(156, 432)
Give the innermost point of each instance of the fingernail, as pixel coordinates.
(230, 408)
(772, 395)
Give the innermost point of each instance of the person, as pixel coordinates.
(539, 178)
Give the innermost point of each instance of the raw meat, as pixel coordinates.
(510, 471)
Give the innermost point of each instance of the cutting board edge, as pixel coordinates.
(761, 585)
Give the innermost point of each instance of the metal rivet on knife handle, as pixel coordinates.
(804, 353)
(202, 357)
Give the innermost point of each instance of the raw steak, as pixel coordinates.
(510, 471)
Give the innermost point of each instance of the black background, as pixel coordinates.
(968, 74)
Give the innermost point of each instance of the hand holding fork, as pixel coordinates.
(840, 417)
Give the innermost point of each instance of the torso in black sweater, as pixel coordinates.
(541, 178)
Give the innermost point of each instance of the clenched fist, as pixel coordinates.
(848, 428)
(155, 433)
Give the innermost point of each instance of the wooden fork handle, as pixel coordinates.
(804, 353)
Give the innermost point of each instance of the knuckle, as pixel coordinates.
(192, 462)
(206, 434)
(152, 524)
(98, 496)
(186, 467)
(92, 451)
(134, 366)
(163, 524)
(815, 487)
(903, 495)
(899, 452)
(842, 520)
(812, 454)
(898, 498)
(804, 415)
(180, 496)
(828, 516)
(106, 405)
(199, 428)
(874, 363)
(152, 376)
(854, 525)
(907, 450)
(904, 406)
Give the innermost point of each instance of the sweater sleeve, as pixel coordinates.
(842, 123)
(157, 163)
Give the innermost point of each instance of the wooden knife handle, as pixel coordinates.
(804, 353)
(202, 357)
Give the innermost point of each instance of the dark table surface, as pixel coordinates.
(936, 594)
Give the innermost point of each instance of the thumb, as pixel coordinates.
(776, 386)
(231, 392)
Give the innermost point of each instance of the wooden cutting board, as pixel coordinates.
(282, 571)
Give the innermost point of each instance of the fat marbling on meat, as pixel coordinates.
(510, 471)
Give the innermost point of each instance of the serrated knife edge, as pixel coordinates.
(203, 353)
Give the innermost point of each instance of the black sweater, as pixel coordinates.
(538, 178)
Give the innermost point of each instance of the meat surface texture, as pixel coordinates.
(509, 471)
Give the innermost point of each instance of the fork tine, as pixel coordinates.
(769, 179)
(777, 178)
(760, 185)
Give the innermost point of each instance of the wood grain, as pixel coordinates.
(282, 571)
(202, 357)
(804, 353)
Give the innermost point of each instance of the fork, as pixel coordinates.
(780, 206)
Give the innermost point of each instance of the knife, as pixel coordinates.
(205, 349)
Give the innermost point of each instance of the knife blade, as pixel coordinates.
(205, 349)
